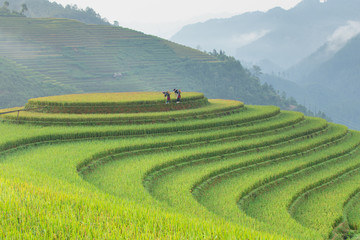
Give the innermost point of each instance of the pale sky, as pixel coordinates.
(164, 18)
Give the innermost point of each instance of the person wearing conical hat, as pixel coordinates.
(167, 96)
(178, 94)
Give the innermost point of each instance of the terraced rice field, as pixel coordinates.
(86, 57)
(222, 170)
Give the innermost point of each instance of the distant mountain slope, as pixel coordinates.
(98, 58)
(342, 71)
(301, 71)
(281, 36)
(341, 76)
(93, 57)
(330, 79)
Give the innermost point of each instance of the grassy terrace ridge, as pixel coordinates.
(351, 218)
(215, 108)
(335, 191)
(223, 170)
(114, 102)
(18, 135)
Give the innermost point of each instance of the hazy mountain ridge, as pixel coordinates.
(281, 36)
(328, 80)
(315, 41)
(341, 38)
(341, 72)
(344, 64)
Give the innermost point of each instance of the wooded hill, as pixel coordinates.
(82, 58)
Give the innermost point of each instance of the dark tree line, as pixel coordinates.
(45, 8)
(5, 10)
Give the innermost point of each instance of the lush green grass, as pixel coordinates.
(47, 201)
(269, 203)
(221, 171)
(321, 206)
(17, 135)
(353, 213)
(239, 163)
(127, 171)
(53, 185)
(214, 109)
(207, 146)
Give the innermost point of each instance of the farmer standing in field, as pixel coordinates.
(178, 94)
(167, 96)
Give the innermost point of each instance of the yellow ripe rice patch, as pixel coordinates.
(99, 98)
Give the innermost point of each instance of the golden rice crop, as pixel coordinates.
(106, 98)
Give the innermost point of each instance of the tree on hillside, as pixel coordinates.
(5, 11)
(23, 8)
(6, 5)
(256, 70)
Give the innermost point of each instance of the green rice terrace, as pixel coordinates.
(92, 58)
(129, 166)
